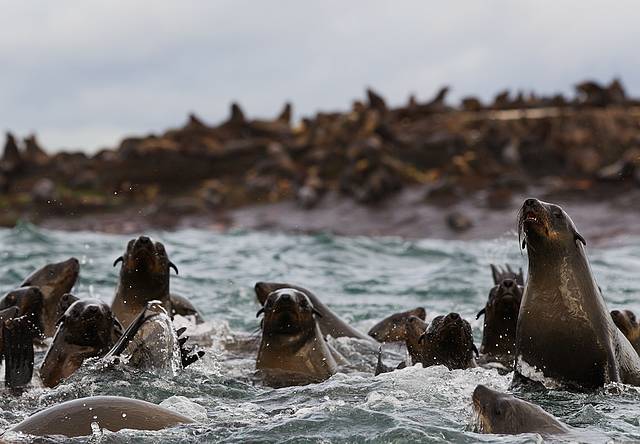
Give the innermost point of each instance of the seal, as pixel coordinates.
(144, 276)
(447, 341)
(565, 334)
(504, 414)
(414, 328)
(151, 342)
(53, 280)
(627, 323)
(393, 328)
(500, 322)
(292, 350)
(330, 323)
(86, 329)
(74, 418)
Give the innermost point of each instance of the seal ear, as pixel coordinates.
(496, 274)
(172, 265)
(481, 313)
(120, 259)
(260, 312)
(579, 237)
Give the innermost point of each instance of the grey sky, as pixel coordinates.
(85, 74)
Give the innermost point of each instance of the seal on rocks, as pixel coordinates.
(565, 335)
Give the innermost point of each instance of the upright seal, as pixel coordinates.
(565, 334)
(144, 277)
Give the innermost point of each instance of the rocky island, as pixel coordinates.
(422, 169)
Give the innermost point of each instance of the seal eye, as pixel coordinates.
(497, 411)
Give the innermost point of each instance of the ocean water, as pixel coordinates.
(363, 280)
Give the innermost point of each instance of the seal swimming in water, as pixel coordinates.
(53, 280)
(114, 413)
(87, 329)
(500, 322)
(144, 276)
(500, 413)
(414, 328)
(394, 328)
(292, 350)
(151, 342)
(565, 332)
(627, 323)
(330, 323)
(447, 341)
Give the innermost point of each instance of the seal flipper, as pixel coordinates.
(380, 366)
(17, 337)
(130, 332)
(6, 314)
(188, 354)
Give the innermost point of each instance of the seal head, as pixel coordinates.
(144, 276)
(500, 320)
(504, 414)
(292, 350)
(448, 341)
(394, 328)
(53, 280)
(87, 329)
(627, 323)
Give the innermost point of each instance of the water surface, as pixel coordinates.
(362, 279)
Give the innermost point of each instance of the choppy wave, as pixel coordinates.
(363, 279)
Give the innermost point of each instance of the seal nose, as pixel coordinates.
(615, 313)
(144, 239)
(285, 297)
(507, 283)
(454, 316)
(530, 202)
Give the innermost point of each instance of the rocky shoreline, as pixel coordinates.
(421, 170)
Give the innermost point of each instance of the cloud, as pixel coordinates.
(87, 73)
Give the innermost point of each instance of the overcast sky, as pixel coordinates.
(83, 74)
